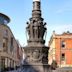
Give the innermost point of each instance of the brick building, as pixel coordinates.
(61, 49)
(10, 51)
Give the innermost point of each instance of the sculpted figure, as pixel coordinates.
(36, 54)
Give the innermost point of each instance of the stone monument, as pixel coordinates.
(36, 51)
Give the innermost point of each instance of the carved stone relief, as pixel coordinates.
(36, 56)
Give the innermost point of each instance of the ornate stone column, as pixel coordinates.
(36, 51)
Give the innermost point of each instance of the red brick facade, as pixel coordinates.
(61, 49)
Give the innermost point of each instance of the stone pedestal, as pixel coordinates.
(36, 68)
(37, 57)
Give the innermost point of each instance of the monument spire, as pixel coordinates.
(36, 12)
(36, 27)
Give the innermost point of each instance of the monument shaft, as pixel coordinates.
(36, 51)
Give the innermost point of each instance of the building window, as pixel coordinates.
(63, 44)
(11, 47)
(63, 57)
(2, 62)
(5, 44)
(6, 32)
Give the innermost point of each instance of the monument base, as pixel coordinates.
(36, 67)
(37, 58)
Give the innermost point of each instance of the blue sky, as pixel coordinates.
(57, 14)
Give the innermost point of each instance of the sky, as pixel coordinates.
(56, 13)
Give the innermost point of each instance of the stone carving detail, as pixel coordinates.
(37, 56)
(36, 30)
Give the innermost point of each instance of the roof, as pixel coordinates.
(5, 16)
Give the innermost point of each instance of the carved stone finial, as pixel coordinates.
(36, 0)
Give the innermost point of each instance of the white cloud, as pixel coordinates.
(62, 28)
